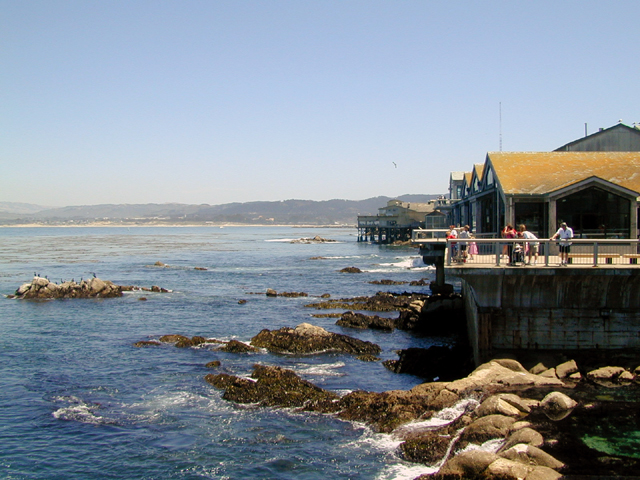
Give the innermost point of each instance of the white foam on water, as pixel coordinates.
(404, 471)
(78, 411)
(441, 418)
(325, 369)
(414, 264)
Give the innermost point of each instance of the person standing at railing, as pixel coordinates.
(510, 233)
(565, 234)
(464, 233)
(531, 247)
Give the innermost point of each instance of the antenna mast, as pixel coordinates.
(500, 126)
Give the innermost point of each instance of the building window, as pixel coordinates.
(595, 213)
(534, 216)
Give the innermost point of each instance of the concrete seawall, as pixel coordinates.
(550, 308)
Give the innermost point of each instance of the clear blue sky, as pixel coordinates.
(233, 101)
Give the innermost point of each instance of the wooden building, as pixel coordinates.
(396, 221)
(595, 192)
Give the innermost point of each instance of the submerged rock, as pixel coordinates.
(303, 339)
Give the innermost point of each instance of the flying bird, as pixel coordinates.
(394, 164)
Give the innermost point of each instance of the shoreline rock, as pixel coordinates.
(529, 430)
(306, 338)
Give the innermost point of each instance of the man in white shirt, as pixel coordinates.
(565, 234)
(532, 247)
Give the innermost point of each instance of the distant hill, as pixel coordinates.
(285, 212)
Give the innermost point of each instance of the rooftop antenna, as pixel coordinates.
(585, 129)
(500, 126)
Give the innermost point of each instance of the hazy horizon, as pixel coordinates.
(231, 102)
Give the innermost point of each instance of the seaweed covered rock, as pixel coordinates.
(234, 346)
(274, 387)
(306, 338)
(388, 410)
(359, 320)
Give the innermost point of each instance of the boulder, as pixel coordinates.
(487, 428)
(308, 330)
(626, 377)
(213, 364)
(500, 405)
(551, 373)
(288, 340)
(527, 436)
(530, 455)
(467, 464)
(538, 369)
(557, 405)
(495, 374)
(605, 373)
(507, 470)
(566, 369)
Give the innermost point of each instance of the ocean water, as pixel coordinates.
(78, 401)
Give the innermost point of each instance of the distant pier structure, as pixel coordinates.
(397, 220)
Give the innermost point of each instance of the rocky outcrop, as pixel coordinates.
(528, 446)
(316, 239)
(43, 288)
(274, 387)
(351, 270)
(234, 346)
(273, 293)
(380, 302)
(362, 321)
(306, 338)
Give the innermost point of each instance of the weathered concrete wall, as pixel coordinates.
(550, 308)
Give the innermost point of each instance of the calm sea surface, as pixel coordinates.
(78, 401)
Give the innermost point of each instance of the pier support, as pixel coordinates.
(550, 309)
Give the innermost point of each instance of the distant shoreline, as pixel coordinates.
(141, 225)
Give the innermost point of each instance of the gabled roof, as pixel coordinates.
(620, 127)
(457, 176)
(467, 177)
(479, 169)
(545, 172)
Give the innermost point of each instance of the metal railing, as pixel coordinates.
(519, 252)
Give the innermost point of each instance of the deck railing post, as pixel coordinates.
(595, 254)
(496, 251)
(547, 247)
(448, 253)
